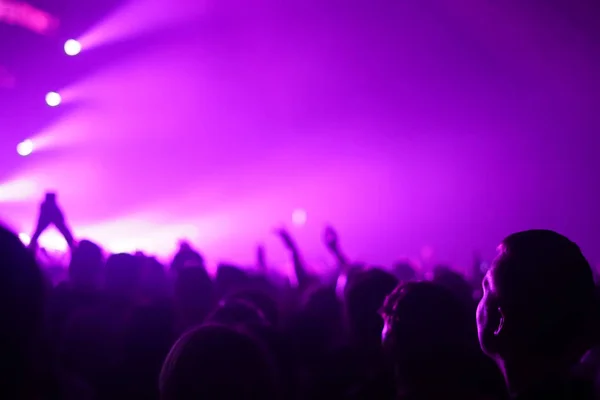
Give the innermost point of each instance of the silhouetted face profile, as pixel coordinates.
(488, 314)
(537, 299)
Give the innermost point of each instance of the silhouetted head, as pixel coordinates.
(423, 317)
(21, 309)
(217, 362)
(429, 338)
(405, 272)
(186, 257)
(318, 324)
(364, 296)
(194, 295)
(154, 278)
(123, 275)
(322, 306)
(237, 312)
(86, 265)
(456, 283)
(538, 299)
(230, 278)
(265, 303)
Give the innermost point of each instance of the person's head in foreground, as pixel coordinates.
(431, 341)
(535, 314)
(216, 362)
(86, 265)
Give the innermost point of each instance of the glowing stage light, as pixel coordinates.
(299, 217)
(25, 148)
(53, 99)
(25, 239)
(52, 240)
(72, 47)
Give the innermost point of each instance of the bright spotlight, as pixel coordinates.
(299, 217)
(25, 239)
(72, 47)
(25, 148)
(53, 99)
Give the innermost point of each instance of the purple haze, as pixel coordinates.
(407, 124)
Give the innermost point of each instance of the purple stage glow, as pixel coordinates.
(419, 130)
(138, 17)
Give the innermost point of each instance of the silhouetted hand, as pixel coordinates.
(58, 218)
(331, 240)
(303, 277)
(261, 259)
(286, 238)
(330, 237)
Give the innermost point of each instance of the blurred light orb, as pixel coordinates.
(72, 47)
(25, 148)
(24, 238)
(53, 99)
(299, 217)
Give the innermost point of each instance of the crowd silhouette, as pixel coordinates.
(127, 327)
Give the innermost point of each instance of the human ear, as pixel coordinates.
(500, 326)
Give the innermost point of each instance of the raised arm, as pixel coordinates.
(331, 240)
(303, 277)
(261, 259)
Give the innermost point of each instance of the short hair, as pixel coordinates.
(430, 338)
(265, 303)
(237, 312)
(426, 317)
(86, 262)
(217, 362)
(404, 271)
(545, 282)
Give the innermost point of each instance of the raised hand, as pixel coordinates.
(261, 259)
(286, 238)
(302, 276)
(331, 240)
(330, 237)
(57, 215)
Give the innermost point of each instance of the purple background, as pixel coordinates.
(412, 126)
